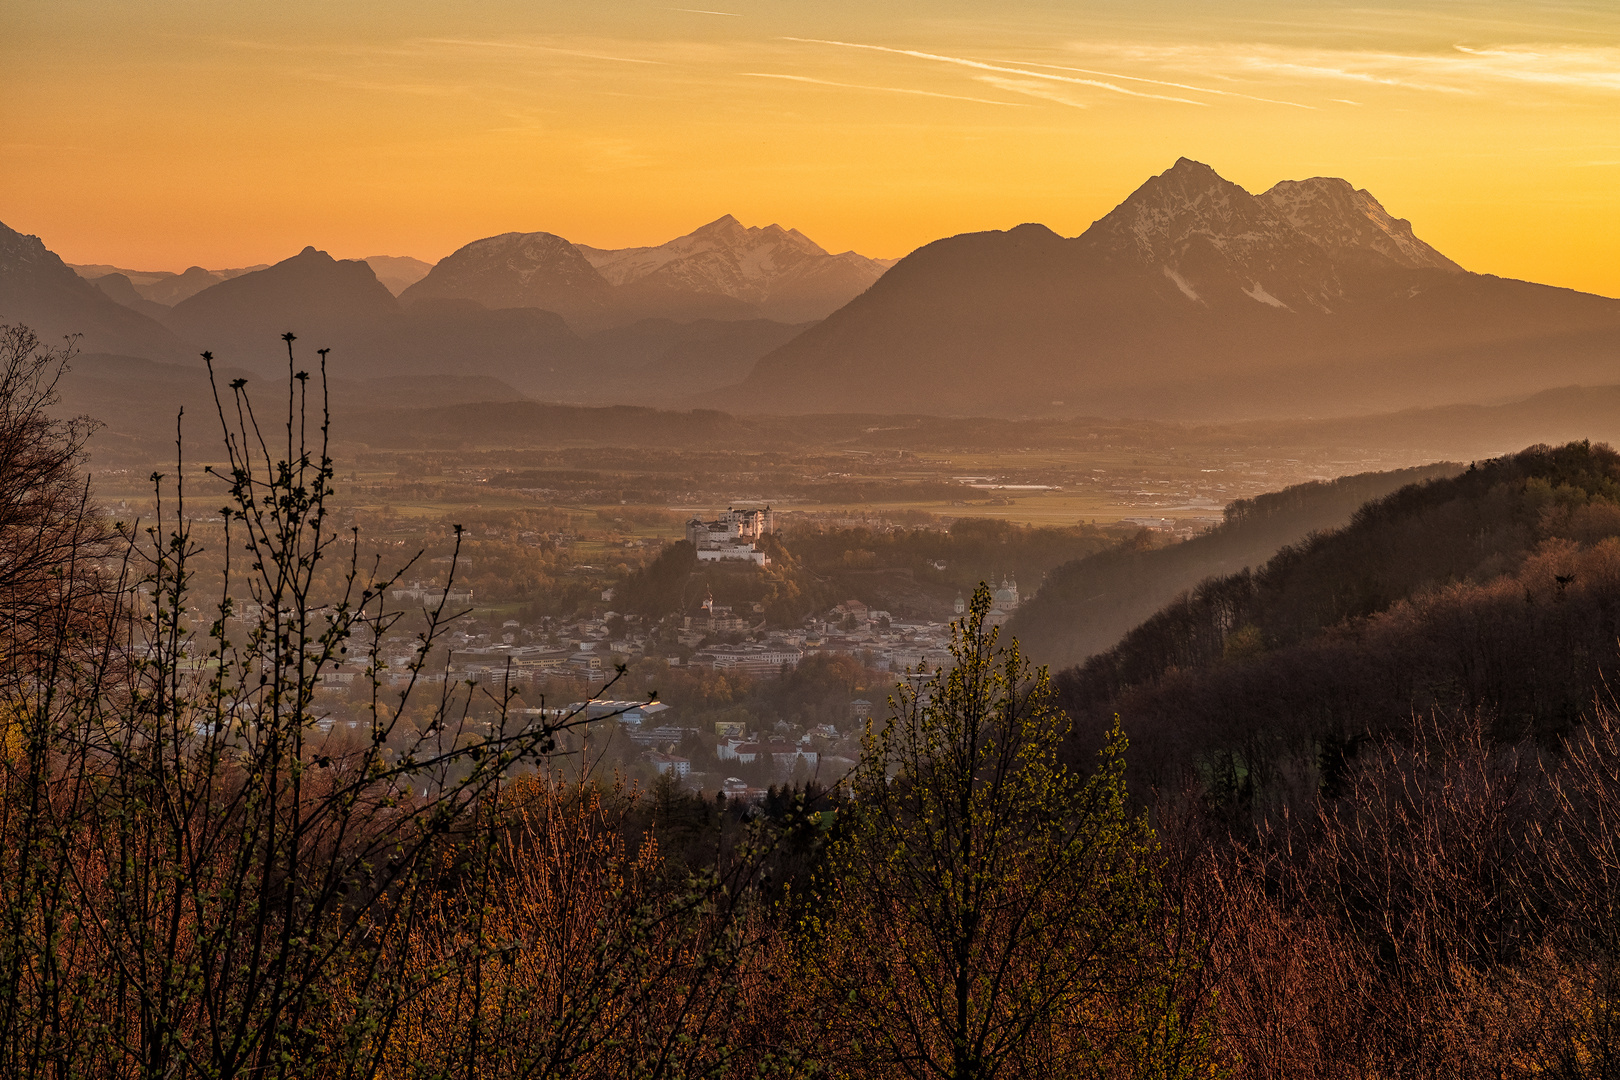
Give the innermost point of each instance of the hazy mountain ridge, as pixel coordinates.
(327, 302)
(1192, 300)
(721, 271)
(122, 290)
(39, 290)
(168, 288)
(163, 286)
(342, 305)
(398, 272)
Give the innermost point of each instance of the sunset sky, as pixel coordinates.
(164, 133)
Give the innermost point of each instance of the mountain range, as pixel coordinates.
(530, 309)
(722, 271)
(1191, 299)
(396, 272)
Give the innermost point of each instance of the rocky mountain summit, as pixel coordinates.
(1302, 244)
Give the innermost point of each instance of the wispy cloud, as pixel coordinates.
(1161, 82)
(1294, 68)
(1566, 67)
(1033, 88)
(881, 89)
(1001, 69)
(321, 48)
(1456, 70)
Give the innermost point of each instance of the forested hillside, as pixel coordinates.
(1086, 605)
(1496, 591)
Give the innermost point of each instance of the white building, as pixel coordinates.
(732, 535)
(669, 763)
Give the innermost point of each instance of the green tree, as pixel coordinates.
(984, 907)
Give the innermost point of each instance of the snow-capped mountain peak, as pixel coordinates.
(781, 271)
(513, 270)
(1291, 247)
(1344, 218)
(752, 254)
(531, 258)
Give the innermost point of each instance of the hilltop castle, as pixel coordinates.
(732, 535)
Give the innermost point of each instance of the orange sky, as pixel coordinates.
(171, 132)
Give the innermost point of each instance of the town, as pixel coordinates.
(720, 698)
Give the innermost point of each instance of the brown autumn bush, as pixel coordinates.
(570, 950)
(1451, 914)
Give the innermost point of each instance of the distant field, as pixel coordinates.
(651, 492)
(426, 464)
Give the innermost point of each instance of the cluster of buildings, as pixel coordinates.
(852, 627)
(655, 738)
(723, 639)
(1004, 600)
(734, 535)
(429, 595)
(718, 637)
(782, 757)
(1180, 528)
